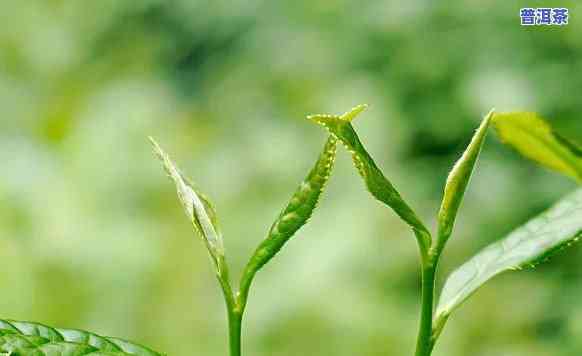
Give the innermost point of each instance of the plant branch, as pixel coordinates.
(234, 312)
(425, 334)
(234, 331)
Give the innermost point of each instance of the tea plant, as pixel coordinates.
(525, 247)
(19, 338)
(203, 216)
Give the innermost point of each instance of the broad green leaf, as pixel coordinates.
(294, 215)
(457, 182)
(531, 244)
(376, 182)
(197, 207)
(533, 137)
(20, 338)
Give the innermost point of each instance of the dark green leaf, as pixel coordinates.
(20, 338)
(527, 246)
(533, 137)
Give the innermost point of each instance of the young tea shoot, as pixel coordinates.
(527, 246)
(295, 214)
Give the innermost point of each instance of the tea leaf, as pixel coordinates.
(197, 208)
(527, 246)
(533, 137)
(35, 339)
(376, 182)
(294, 215)
(457, 182)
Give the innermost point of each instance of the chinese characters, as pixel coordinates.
(544, 16)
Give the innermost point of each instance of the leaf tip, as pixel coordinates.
(346, 117)
(350, 115)
(490, 114)
(156, 147)
(482, 130)
(153, 142)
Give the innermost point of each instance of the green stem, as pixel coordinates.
(234, 331)
(233, 308)
(425, 341)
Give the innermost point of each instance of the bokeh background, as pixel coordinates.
(92, 235)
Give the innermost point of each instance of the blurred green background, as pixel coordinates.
(92, 235)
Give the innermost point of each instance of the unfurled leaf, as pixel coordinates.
(20, 338)
(295, 214)
(376, 182)
(525, 247)
(533, 137)
(457, 183)
(197, 207)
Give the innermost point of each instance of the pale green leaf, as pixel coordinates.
(20, 338)
(197, 207)
(533, 137)
(294, 215)
(376, 182)
(558, 227)
(457, 182)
